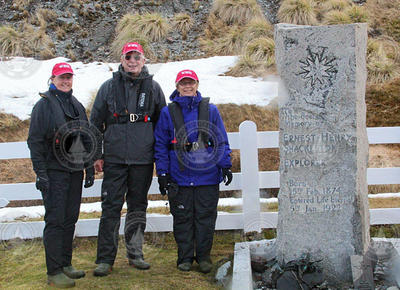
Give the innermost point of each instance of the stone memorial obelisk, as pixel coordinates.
(323, 200)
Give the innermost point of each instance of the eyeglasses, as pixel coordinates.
(187, 83)
(136, 57)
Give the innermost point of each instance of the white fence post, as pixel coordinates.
(250, 179)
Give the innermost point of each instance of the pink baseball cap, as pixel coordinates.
(186, 73)
(61, 68)
(132, 46)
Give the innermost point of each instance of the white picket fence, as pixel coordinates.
(250, 180)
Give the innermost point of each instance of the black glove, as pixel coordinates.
(163, 181)
(42, 181)
(227, 175)
(89, 178)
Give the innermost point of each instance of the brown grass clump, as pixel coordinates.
(380, 67)
(42, 45)
(357, 14)
(258, 27)
(21, 4)
(153, 26)
(226, 32)
(150, 25)
(230, 43)
(339, 5)
(297, 12)
(383, 104)
(46, 17)
(183, 23)
(11, 42)
(386, 43)
(335, 17)
(384, 17)
(238, 12)
(140, 28)
(257, 59)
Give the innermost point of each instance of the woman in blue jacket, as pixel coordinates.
(192, 157)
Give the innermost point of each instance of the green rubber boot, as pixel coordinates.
(73, 273)
(103, 269)
(60, 280)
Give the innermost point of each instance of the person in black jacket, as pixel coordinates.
(58, 164)
(125, 110)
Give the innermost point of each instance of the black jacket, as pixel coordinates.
(43, 127)
(129, 142)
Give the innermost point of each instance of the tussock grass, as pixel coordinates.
(140, 28)
(230, 25)
(257, 59)
(11, 41)
(215, 27)
(150, 25)
(380, 67)
(297, 12)
(236, 11)
(335, 17)
(357, 14)
(21, 4)
(339, 5)
(46, 16)
(183, 23)
(258, 27)
(42, 45)
(230, 43)
(389, 45)
(153, 26)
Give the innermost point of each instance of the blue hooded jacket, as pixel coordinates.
(203, 166)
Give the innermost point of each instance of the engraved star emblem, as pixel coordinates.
(318, 68)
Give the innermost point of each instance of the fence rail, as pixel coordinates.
(250, 180)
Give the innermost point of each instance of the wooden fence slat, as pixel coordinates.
(268, 139)
(383, 135)
(249, 169)
(267, 179)
(163, 223)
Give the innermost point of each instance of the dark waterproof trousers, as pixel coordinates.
(62, 203)
(194, 211)
(120, 182)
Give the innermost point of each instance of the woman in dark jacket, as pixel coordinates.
(58, 153)
(192, 157)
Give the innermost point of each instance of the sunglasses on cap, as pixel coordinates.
(136, 57)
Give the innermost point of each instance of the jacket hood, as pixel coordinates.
(185, 101)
